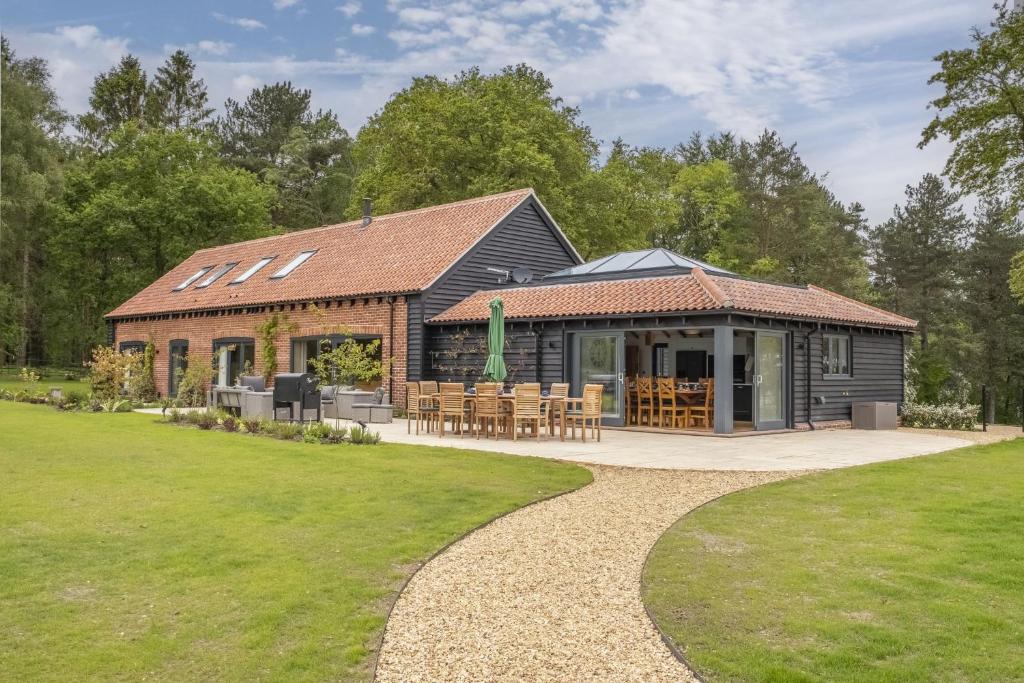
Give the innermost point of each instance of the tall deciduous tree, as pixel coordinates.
(30, 177)
(442, 140)
(134, 212)
(708, 204)
(982, 110)
(306, 154)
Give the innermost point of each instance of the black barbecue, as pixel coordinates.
(296, 388)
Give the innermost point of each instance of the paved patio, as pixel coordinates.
(823, 449)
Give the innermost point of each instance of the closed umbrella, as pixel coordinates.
(495, 369)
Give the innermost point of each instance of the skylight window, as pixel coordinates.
(201, 272)
(217, 274)
(293, 264)
(252, 271)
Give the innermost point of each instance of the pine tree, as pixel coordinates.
(176, 98)
(118, 96)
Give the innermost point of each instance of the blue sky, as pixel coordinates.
(847, 81)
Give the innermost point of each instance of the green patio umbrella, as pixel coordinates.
(495, 369)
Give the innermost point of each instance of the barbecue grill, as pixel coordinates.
(296, 388)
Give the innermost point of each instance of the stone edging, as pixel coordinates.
(440, 551)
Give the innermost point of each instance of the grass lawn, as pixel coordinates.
(131, 549)
(42, 386)
(911, 570)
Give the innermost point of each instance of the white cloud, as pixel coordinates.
(362, 29)
(285, 4)
(350, 9)
(241, 22)
(420, 15)
(242, 84)
(214, 47)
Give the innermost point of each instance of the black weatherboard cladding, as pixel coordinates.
(524, 238)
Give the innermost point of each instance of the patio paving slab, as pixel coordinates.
(822, 449)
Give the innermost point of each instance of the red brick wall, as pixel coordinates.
(371, 317)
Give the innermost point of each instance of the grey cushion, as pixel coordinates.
(327, 393)
(254, 382)
(378, 396)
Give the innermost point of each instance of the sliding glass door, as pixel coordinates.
(599, 358)
(770, 381)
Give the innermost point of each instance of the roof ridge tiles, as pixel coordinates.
(525, 191)
(711, 287)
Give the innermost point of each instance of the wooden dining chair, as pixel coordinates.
(416, 407)
(487, 409)
(589, 411)
(526, 409)
(559, 390)
(706, 412)
(632, 401)
(452, 406)
(645, 400)
(671, 411)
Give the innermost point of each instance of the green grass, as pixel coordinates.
(131, 549)
(44, 385)
(910, 570)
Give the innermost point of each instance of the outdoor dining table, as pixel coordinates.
(547, 404)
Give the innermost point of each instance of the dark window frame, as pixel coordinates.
(334, 339)
(132, 345)
(234, 371)
(173, 346)
(827, 356)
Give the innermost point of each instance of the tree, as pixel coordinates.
(30, 175)
(914, 261)
(789, 227)
(443, 140)
(306, 154)
(708, 203)
(982, 110)
(175, 98)
(118, 96)
(995, 321)
(131, 214)
(628, 203)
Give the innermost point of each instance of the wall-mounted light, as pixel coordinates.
(691, 333)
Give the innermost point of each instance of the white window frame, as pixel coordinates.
(832, 350)
(199, 273)
(217, 274)
(255, 268)
(294, 264)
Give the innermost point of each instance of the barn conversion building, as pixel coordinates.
(420, 281)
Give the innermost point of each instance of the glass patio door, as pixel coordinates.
(600, 359)
(770, 381)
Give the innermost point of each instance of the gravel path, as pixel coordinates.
(551, 592)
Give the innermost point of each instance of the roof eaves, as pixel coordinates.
(910, 321)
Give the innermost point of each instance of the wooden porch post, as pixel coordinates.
(723, 379)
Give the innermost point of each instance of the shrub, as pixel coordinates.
(110, 371)
(28, 375)
(363, 436)
(229, 423)
(287, 431)
(941, 416)
(337, 435)
(143, 384)
(175, 416)
(117, 405)
(316, 432)
(205, 419)
(194, 381)
(252, 425)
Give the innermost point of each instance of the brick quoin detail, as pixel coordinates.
(358, 317)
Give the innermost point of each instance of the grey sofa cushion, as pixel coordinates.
(327, 393)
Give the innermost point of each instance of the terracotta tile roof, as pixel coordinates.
(399, 252)
(694, 291)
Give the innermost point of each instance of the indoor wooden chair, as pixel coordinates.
(526, 409)
(671, 411)
(589, 411)
(559, 390)
(453, 407)
(487, 409)
(416, 407)
(645, 400)
(704, 413)
(632, 401)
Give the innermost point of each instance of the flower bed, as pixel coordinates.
(313, 432)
